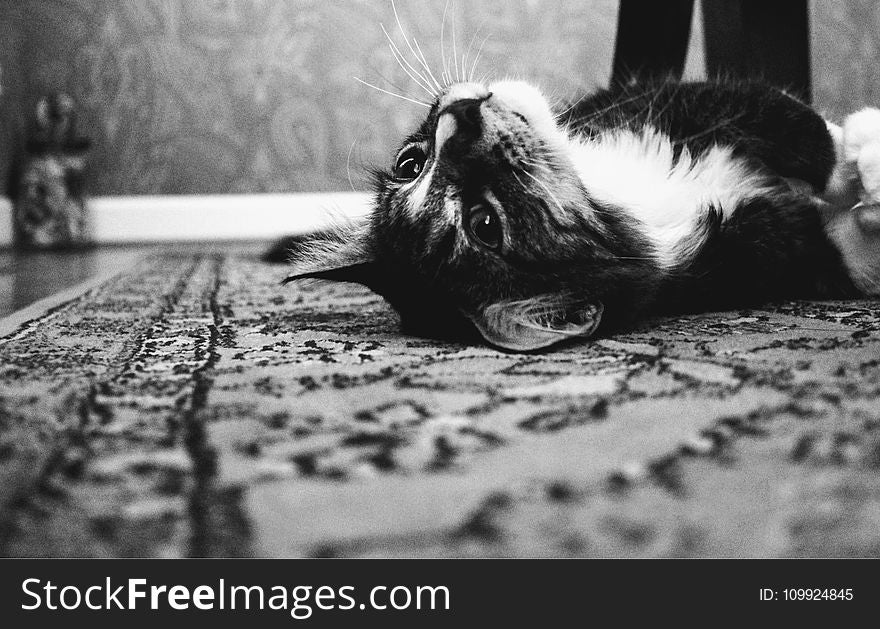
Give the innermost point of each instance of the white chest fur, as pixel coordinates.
(639, 173)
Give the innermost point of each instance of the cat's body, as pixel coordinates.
(755, 161)
(532, 227)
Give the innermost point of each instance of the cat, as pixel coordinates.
(503, 220)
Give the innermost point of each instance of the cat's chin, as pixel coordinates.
(526, 100)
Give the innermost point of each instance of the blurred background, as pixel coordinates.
(258, 95)
(221, 96)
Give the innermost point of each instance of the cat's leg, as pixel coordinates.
(853, 193)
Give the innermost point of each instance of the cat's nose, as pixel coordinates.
(460, 119)
(467, 114)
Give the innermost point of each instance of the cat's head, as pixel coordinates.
(483, 224)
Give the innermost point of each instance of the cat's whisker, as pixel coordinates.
(381, 75)
(648, 110)
(520, 181)
(570, 108)
(446, 78)
(425, 88)
(477, 57)
(530, 162)
(424, 63)
(467, 53)
(546, 189)
(669, 102)
(586, 121)
(348, 165)
(720, 125)
(421, 81)
(410, 46)
(534, 163)
(406, 98)
(568, 122)
(454, 49)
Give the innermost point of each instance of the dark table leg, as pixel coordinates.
(652, 39)
(759, 39)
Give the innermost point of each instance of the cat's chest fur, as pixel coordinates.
(724, 181)
(668, 191)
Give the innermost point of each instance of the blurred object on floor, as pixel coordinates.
(48, 182)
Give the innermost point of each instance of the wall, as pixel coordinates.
(11, 89)
(258, 95)
(846, 55)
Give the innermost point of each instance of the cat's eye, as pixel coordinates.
(410, 163)
(485, 227)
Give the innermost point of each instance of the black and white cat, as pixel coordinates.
(531, 227)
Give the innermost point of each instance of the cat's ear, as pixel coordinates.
(531, 324)
(360, 273)
(341, 254)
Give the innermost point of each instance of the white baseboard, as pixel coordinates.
(166, 218)
(5, 222)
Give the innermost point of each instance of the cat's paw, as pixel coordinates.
(861, 148)
(869, 172)
(854, 197)
(856, 234)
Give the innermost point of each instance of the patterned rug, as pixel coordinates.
(191, 406)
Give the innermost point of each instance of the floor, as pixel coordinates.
(28, 276)
(192, 406)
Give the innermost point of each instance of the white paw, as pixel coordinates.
(861, 147)
(860, 129)
(853, 223)
(869, 171)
